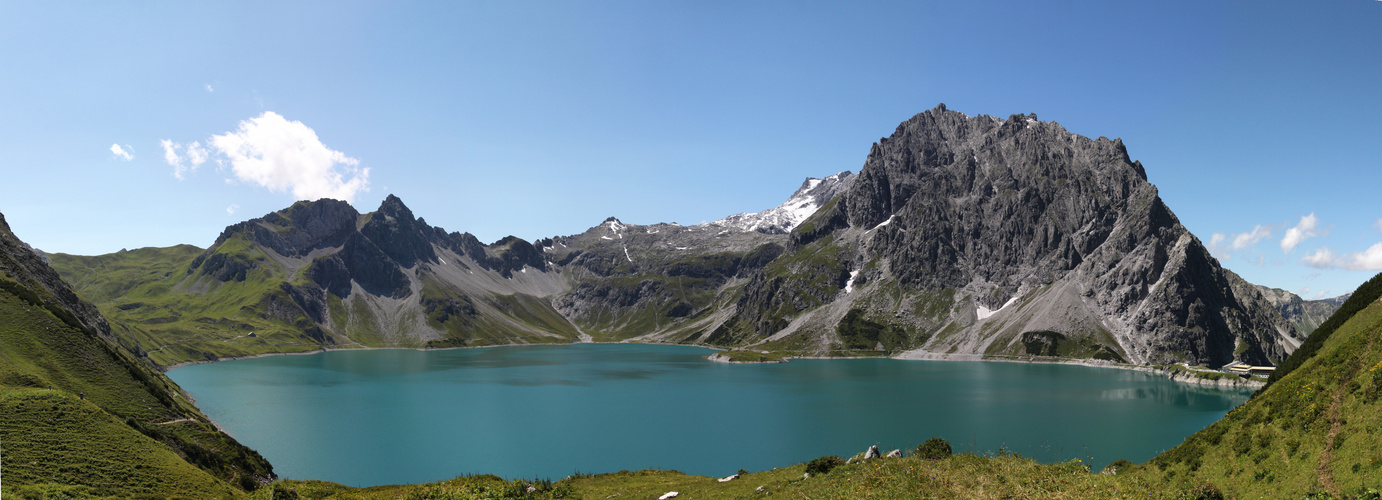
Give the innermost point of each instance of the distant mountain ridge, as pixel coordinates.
(812, 194)
(960, 236)
(1306, 315)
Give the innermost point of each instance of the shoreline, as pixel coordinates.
(372, 348)
(1183, 377)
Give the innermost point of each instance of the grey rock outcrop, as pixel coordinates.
(988, 234)
(872, 452)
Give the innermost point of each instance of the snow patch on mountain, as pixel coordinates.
(780, 220)
(984, 312)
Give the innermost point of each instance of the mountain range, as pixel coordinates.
(960, 237)
(1041, 244)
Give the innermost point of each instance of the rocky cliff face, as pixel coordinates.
(27, 269)
(960, 236)
(998, 230)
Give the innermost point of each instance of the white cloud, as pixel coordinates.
(196, 154)
(284, 155)
(1303, 231)
(170, 155)
(1244, 240)
(1378, 224)
(1322, 258)
(1320, 295)
(209, 88)
(122, 153)
(1367, 260)
(1222, 246)
(230, 210)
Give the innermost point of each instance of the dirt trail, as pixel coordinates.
(1322, 471)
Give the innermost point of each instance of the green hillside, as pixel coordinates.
(55, 441)
(78, 409)
(166, 313)
(1315, 428)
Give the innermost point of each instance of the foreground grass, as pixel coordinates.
(57, 445)
(80, 412)
(960, 476)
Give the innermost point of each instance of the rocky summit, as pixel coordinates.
(984, 236)
(960, 237)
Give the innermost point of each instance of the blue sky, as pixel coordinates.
(127, 125)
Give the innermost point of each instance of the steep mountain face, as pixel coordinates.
(983, 236)
(77, 407)
(960, 237)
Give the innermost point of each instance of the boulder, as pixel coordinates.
(872, 453)
(894, 454)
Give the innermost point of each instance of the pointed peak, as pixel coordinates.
(394, 207)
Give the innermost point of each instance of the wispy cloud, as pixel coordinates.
(209, 88)
(196, 155)
(1245, 240)
(1303, 230)
(1378, 224)
(1321, 258)
(1366, 260)
(230, 210)
(123, 153)
(1217, 246)
(1223, 246)
(282, 155)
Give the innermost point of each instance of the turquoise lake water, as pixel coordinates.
(366, 418)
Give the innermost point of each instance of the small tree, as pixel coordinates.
(934, 449)
(1117, 466)
(822, 465)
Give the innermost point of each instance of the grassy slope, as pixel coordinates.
(135, 291)
(106, 423)
(53, 437)
(960, 476)
(1314, 430)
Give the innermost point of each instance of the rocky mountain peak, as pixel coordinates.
(394, 208)
(996, 208)
(394, 230)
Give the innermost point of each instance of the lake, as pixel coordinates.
(371, 417)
